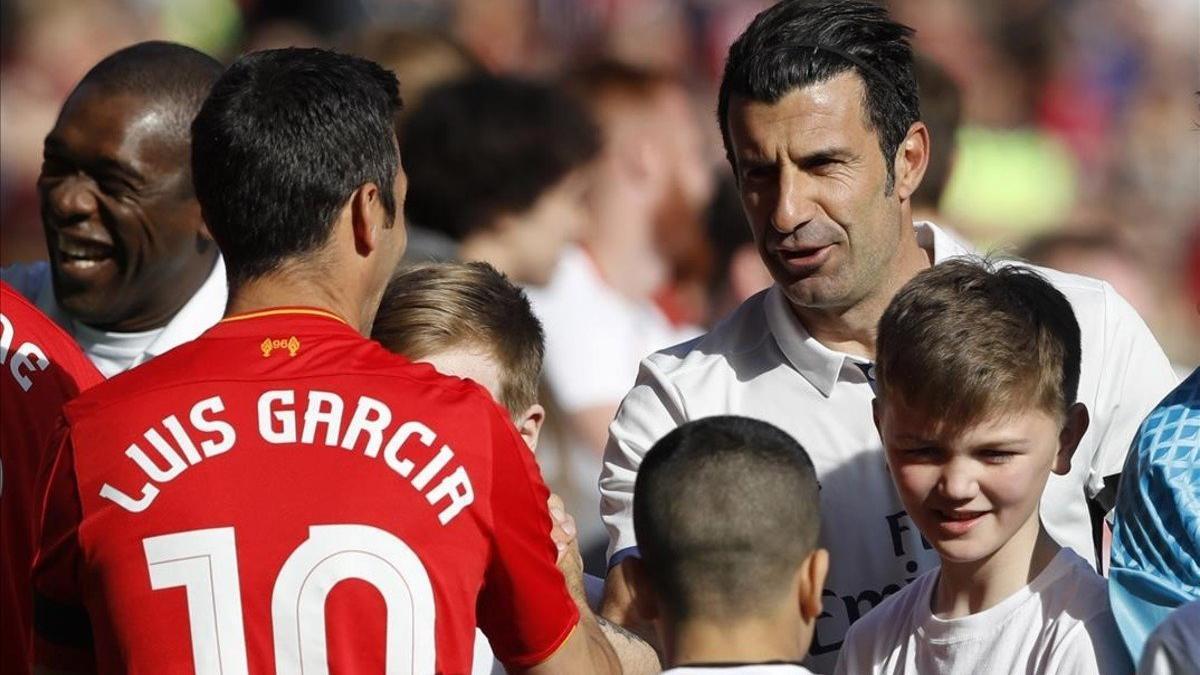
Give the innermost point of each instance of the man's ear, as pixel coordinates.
(912, 157)
(367, 217)
(1074, 427)
(529, 424)
(644, 597)
(812, 573)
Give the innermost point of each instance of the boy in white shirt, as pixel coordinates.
(978, 370)
(727, 513)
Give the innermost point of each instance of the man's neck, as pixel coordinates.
(852, 329)
(750, 640)
(970, 588)
(290, 289)
(158, 314)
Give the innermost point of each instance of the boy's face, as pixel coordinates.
(971, 490)
(485, 370)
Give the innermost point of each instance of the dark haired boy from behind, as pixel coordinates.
(727, 514)
(978, 371)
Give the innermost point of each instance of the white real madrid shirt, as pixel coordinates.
(761, 363)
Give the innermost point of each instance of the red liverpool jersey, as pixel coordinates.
(284, 495)
(43, 369)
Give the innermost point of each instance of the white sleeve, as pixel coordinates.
(1135, 376)
(588, 366)
(1160, 658)
(650, 411)
(848, 662)
(1174, 647)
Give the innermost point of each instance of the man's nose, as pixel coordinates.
(72, 198)
(795, 204)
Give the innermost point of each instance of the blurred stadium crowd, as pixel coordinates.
(1074, 127)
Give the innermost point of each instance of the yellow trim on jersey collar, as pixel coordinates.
(281, 311)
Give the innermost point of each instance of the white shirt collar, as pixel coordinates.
(820, 365)
(203, 310)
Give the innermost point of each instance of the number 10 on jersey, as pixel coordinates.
(204, 563)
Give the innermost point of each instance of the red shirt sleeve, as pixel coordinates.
(62, 635)
(524, 608)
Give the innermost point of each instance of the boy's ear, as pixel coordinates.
(1074, 427)
(529, 424)
(644, 597)
(812, 583)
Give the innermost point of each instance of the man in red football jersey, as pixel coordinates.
(43, 368)
(282, 494)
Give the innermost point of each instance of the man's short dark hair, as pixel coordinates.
(798, 43)
(167, 73)
(725, 509)
(432, 308)
(487, 146)
(970, 338)
(283, 140)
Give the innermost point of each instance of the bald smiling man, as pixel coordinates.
(132, 270)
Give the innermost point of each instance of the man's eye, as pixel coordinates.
(758, 173)
(997, 456)
(113, 187)
(822, 165)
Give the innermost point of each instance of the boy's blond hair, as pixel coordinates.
(432, 308)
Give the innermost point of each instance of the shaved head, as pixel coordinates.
(165, 74)
(726, 510)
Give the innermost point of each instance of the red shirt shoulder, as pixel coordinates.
(29, 337)
(42, 368)
(312, 468)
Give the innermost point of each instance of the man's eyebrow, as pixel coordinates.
(834, 153)
(105, 165)
(120, 169)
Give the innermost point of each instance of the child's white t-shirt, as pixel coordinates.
(1059, 623)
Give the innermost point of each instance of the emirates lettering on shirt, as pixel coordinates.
(314, 418)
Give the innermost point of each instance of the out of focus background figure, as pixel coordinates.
(1067, 131)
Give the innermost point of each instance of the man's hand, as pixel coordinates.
(619, 606)
(570, 561)
(635, 656)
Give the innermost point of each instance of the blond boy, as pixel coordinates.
(471, 321)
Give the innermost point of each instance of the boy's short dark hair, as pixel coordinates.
(797, 43)
(431, 308)
(487, 146)
(283, 140)
(725, 509)
(972, 337)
